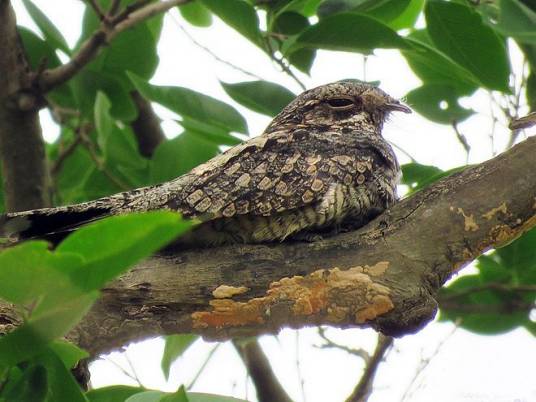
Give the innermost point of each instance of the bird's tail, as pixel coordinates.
(52, 224)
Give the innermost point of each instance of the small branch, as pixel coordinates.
(64, 154)
(268, 387)
(211, 53)
(114, 8)
(363, 389)
(98, 10)
(425, 362)
(132, 15)
(283, 65)
(490, 286)
(330, 344)
(461, 138)
(203, 366)
(86, 141)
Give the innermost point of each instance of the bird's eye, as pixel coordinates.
(340, 103)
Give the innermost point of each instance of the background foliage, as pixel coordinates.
(455, 48)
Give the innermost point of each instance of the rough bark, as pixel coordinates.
(384, 275)
(146, 127)
(22, 149)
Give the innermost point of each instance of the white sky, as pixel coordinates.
(468, 367)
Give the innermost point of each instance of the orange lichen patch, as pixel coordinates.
(330, 295)
(491, 213)
(380, 304)
(226, 292)
(469, 221)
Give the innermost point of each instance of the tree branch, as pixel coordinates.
(268, 387)
(384, 275)
(22, 149)
(108, 30)
(363, 389)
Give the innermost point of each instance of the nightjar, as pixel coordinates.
(321, 163)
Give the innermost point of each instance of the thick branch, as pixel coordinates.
(383, 276)
(266, 384)
(22, 150)
(108, 30)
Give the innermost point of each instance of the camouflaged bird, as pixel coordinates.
(320, 164)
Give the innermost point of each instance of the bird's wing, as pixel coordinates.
(264, 176)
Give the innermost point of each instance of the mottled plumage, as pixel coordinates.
(321, 163)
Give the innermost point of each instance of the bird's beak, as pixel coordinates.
(397, 106)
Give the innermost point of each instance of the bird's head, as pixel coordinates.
(346, 103)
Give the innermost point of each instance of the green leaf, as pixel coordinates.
(240, 15)
(88, 82)
(458, 31)
(302, 59)
(350, 32)
(260, 96)
(215, 135)
(69, 353)
(492, 314)
(415, 174)
(49, 321)
(409, 16)
(418, 176)
(147, 396)
(438, 102)
(175, 157)
(113, 393)
(118, 145)
(196, 14)
(519, 257)
(49, 30)
(112, 245)
(201, 397)
(290, 23)
(517, 20)
(179, 396)
(434, 67)
(103, 121)
(30, 387)
(29, 271)
(193, 105)
(175, 347)
(62, 385)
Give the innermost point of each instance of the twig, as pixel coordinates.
(114, 8)
(63, 155)
(491, 286)
(282, 64)
(211, 53)
(202, 368)
(98, 10)
(461, 138)
(426, 361)
(330, 344)
(86, 141)
(298, 365)
(132, 376)
(363, 389)
(108, 30)
(403, 151)
(268, 387)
